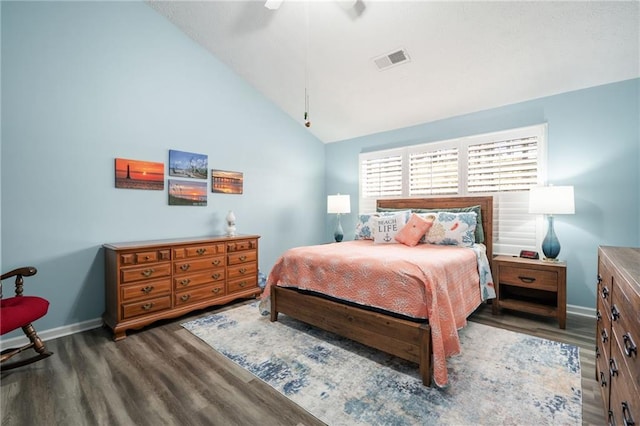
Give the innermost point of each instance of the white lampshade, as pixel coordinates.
(338, 204)
(551, 200)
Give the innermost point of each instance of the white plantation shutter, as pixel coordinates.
(503, 164)
(433, 172)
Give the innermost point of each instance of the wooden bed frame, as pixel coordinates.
(405, 339)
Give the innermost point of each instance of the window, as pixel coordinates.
(503, 164)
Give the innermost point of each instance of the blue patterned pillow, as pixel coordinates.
(454, 229)
(364, 227)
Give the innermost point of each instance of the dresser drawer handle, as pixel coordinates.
(599, 279)
(242, 270)
(615, 313)
(242, 284)
(201, 251)
(527, 280)
(185, 281)
(603, 379)
(216, 262)
(630, 347)
(597, 352)
(185, 297)
(626, 414)
(605, 292)
(604, 336)
(147, 257)
(215, 276)
(598, 316)
(242, 258)
(185, 267)
(147, 289)
(147, 272)
(216, 290)
(147, 306)
(613, 367)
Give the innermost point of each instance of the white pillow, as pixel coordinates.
(453, 229)
(386, 228)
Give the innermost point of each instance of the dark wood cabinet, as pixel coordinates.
(534, 286)
(146, 281)
(618, 333)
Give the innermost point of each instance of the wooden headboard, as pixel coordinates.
(485, 203)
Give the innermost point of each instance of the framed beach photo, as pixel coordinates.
(187, 193)
(136, 174)
(188, 164)
(226, 182)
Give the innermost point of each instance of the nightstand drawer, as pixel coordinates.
(529, 278)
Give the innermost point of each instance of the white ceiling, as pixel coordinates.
(465, 56)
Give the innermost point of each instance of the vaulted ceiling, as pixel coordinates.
(463, 56)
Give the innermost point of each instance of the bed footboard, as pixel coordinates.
(405, 339)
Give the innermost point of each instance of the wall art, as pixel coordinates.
(136, 174)
(187, 193)
(226, 182)
(188, 165)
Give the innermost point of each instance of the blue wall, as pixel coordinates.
(85, 82)
(593, 144)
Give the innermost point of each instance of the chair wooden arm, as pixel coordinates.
(19, 273)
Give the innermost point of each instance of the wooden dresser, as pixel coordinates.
(151, 280)
(618, 333)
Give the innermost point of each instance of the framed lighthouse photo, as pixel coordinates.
(136, 174)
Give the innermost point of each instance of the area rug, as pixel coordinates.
(500, 378)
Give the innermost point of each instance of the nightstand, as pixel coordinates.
(534, 286)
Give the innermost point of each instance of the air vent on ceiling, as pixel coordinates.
(389, 60)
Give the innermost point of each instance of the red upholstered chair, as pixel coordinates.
(21, 311)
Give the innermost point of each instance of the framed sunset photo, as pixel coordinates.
(137, 174)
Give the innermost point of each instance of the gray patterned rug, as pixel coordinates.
(500, 378)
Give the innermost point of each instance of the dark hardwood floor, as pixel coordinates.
(163, 375)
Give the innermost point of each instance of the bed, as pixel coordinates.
(402, 331)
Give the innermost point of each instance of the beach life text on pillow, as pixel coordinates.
(387, 226)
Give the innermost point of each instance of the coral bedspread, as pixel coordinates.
(440, 283)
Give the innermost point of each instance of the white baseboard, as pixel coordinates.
(53, 333)
(581, 311)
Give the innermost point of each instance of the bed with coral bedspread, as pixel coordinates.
(409, 301)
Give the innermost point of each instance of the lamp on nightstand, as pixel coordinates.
(551, 200)
(338, 204)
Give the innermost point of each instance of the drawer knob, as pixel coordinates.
(527, 280)
(598, 316)
(147, 289)
(242, 270)
(605, 292)
(147, 257)
(147, 272)
(185, 281)
(185, 267)
(243, 258)
(615, 313)
(201, 251)
(215, 276)
(604, 336)
(147, 306)
(613, 367)
(626, 414)
(216, 262)
(185, 297)
(599, 278)
(216, 290)
(630, 347)
(603, 379)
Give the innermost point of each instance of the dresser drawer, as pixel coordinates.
(146, 289)
(245, 270)
(198, 251)
(192, 280)
(130, 310)
(241, 284)
(141, 257)
(148, 272)
(529, 278)
(242, 245)
(241, 257)
(623, 389)
(200, 293)
(189, 266)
